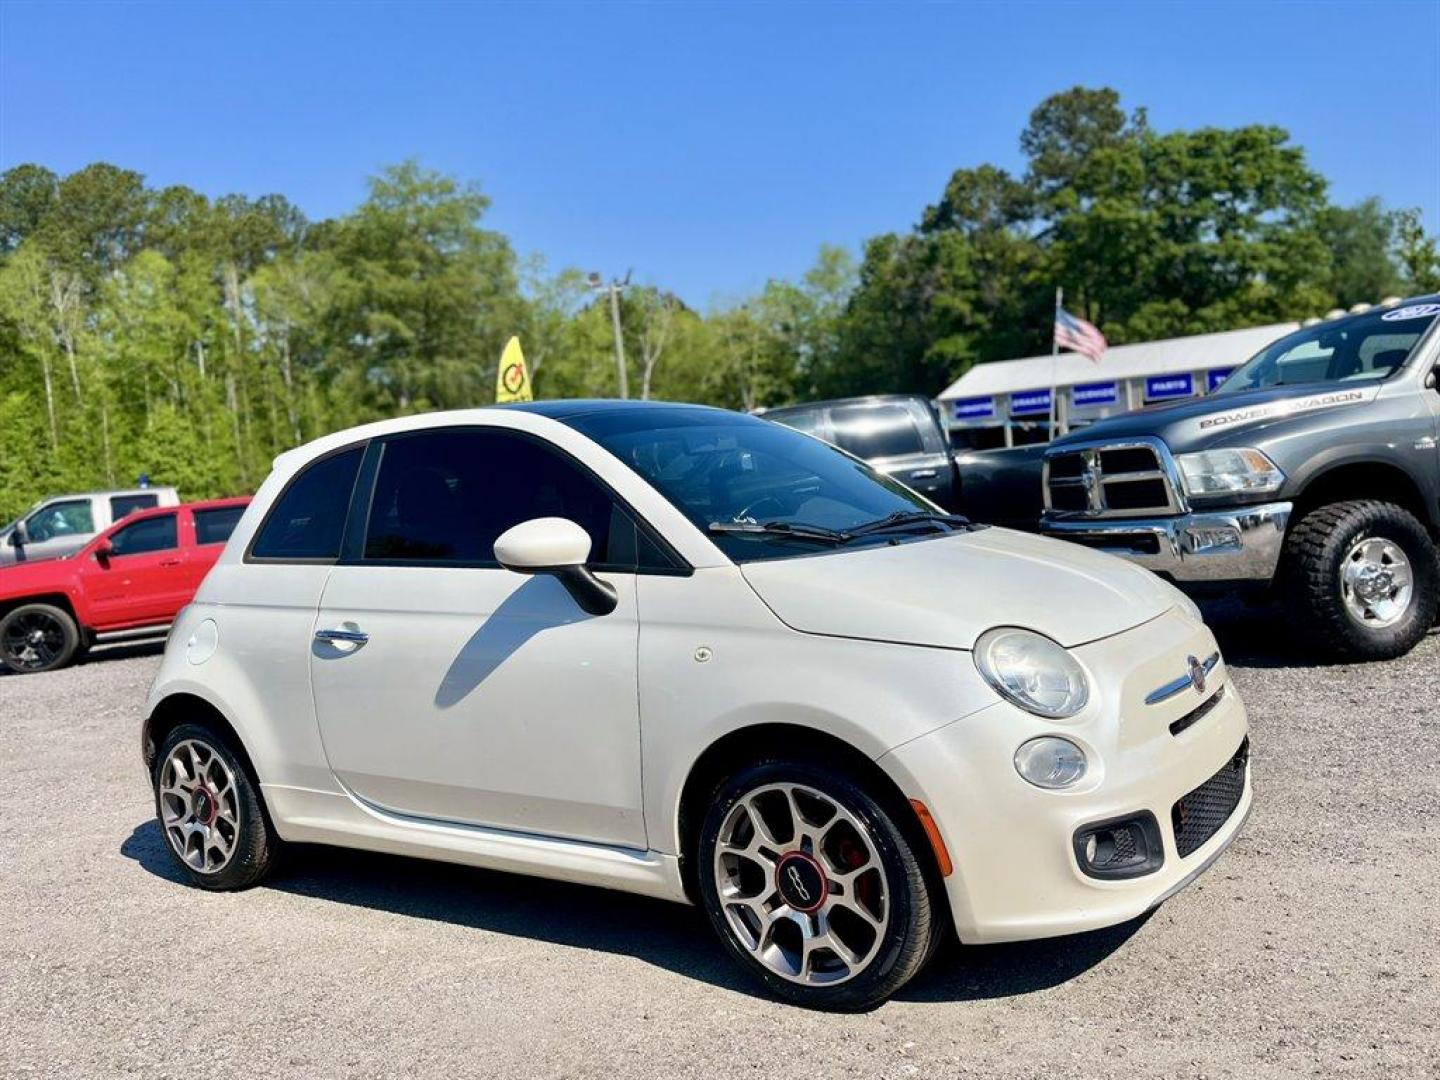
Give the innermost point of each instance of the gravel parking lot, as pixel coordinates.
(1311, 949)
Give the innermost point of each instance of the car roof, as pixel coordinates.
(573, 408)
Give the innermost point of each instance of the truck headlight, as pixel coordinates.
(1229, 472)
(1032, 671)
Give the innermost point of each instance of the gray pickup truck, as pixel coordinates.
(1313, 471)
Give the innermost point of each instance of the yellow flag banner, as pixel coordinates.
(512, 383)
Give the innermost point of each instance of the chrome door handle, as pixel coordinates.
(352, 637)
(924, 474)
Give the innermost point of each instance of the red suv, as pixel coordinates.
(129, 582)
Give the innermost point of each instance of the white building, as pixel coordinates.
(1007, 402)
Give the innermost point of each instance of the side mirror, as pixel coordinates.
(103, 551)
(19, 535)
(559, 547)
(1431, 379)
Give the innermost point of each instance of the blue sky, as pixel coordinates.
(708, 147)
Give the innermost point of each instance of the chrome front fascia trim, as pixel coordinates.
(1249, 549)
(1184, 682)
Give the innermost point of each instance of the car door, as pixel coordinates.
(889, 435)
(470, 693)
(141, 581)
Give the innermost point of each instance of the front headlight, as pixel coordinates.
(1032, 671)
(1229, 472)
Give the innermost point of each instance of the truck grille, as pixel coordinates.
(1198, 816)
(1125, 480)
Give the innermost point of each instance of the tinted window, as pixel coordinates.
(152, 534)
(718, 467)
(215, 526)
(72, 518)
(122, 506)
(446, 496)
(876, 431)
(806, 420)
(1368, 347)
(309, 518)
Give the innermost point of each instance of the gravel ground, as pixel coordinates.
(1311, 949)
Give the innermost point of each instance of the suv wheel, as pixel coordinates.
(37, 637)
(812, 887)
(208, 809)
(1364, 577)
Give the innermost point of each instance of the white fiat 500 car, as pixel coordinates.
(700, 656)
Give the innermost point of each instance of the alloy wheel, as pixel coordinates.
(801, 884)
(1376, 582)
(199, 806)
(33, 640)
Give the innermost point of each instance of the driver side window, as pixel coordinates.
(69, 518)
(445, 497)
(150, 534)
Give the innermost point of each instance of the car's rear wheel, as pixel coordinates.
(209, 810)
(37, 637)
(1363, 579)
(813, 887)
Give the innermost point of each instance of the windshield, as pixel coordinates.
(723, 469)
(1366, 348)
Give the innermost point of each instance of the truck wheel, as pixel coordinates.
(1363, 578)
(37, 637)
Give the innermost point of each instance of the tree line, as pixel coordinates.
(158, 331)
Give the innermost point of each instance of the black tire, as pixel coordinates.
(911, 932)
(60, 639)
(1314, 553)
(254, 847)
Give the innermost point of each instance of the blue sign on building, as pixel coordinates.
(1030, 402)
(1094, 395)
(1214, 378)
(974, 408)
(1169, 387)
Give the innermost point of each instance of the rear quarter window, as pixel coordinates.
(215, 526)
(308, 520)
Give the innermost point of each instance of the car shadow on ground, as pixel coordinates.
(1258, 634)
(102, 654)
(671, 936)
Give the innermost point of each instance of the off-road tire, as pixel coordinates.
(1310, 578)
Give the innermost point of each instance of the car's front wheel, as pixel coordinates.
(813, 887)
(1363, 579)
(209, 810)
(37, 637)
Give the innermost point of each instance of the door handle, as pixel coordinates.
(351, 637)
(169, 562)
(924, 474)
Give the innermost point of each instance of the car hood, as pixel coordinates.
(949, 590)
(25, 578)
(1216, 416)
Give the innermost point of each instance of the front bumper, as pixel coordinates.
(1242, 544)
(1017, 874)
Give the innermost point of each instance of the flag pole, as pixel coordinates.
(1054, 356)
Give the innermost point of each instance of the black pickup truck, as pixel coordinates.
(1313, 471)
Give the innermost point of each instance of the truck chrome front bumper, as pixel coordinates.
(1222, 545)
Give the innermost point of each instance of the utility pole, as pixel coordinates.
(614, 288)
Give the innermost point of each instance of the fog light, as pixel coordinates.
(1205, 538)
(1050, 762)
(1121, 847)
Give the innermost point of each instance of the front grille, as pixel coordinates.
(1114, 481)
(1198, 816)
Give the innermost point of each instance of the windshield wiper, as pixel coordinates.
(787, 529)
(901, 519)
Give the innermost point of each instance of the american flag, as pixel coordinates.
(1077, 335)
